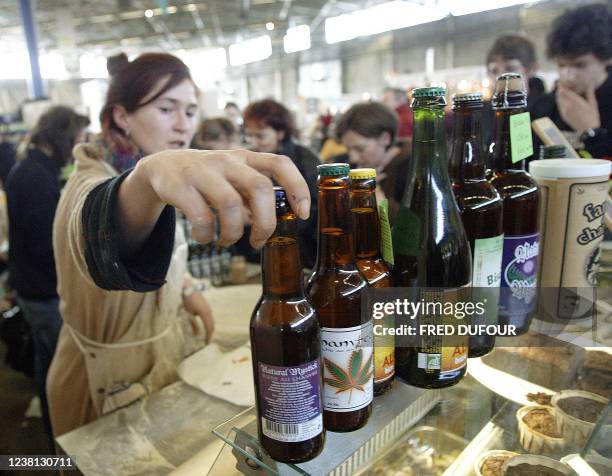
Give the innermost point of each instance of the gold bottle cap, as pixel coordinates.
(359, 174)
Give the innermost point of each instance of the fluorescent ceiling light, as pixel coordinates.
(52, 66)
(297, 39)
(92, 66)
(380, 18)
(204, 63)
(249, 51)
(464, 7)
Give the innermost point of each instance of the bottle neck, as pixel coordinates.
(365, 216)
(429, 142)
(281, 261)
(335, 244)
(466, 158)
(501, 152)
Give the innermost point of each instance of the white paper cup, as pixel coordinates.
(573, 429)
(491, 453)
(536, 460)
(534, 441)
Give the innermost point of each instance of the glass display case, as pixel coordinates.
(508, 404)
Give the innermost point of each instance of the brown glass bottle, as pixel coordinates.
(430, 247)
(335, 289)
(372, 267)
(286, 349)
(481, 213)
(521, 198)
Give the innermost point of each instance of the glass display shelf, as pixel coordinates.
(426, 432)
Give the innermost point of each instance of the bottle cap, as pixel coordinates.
(428, 92)
(358, 174)
(333, 170)
(281, 196)
(510, 92)
(467, 97)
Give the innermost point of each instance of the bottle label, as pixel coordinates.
(521, 145)
(386, 241)
(519, 274)
(434, 356)
(384, 353)
(349, 367)
(290, 401)
(487, 262)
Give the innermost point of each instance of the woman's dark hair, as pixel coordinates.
(369, 119)
(510, 47)
(582, 31)
(57, 130)
(268, 112)
(215, 129)
(132, 81)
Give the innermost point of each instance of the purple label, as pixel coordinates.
(290, 401)
(519, 274)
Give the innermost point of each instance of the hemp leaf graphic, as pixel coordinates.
(355, 377)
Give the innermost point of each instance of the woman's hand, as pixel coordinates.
(196, 304)
(204, 183)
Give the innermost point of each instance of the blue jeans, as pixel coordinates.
(45, 321)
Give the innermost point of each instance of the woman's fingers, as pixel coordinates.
(258, 192)
(282, 170)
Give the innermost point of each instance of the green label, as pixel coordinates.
(407, 233)
(487, 261)
(520, 137)
(386, 241)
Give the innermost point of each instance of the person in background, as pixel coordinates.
(580, 42)
(270, 127)
(33, 191)
(397, 100)
(368, 130)
(121, 269)
(233, 113)
(216, 133)
(508, 54)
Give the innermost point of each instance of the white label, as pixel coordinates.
(487, 262)
(292, 432)
(429, 361)
(349, 367)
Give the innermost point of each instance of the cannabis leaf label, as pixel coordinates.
(355, 377)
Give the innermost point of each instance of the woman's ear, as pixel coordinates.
(120, 116)
(280, 136)
(385, 139)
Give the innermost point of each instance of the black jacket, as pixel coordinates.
(599, 146)
(32, 192)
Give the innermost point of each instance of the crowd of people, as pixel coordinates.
(99, 268)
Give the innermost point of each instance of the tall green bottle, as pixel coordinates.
(430, 246)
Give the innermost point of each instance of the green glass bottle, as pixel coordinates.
(430, 246)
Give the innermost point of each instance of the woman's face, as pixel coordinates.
(263, 138)
(366, 151)
(169, 122)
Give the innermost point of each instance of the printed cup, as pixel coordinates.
(574, 196)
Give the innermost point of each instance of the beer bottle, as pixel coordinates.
(372, 267)
(481, 213)
(286, 349)
(335, 288)
(521, 197)
(430, 247)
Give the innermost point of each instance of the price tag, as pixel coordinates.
(521, 143)
(386, 242)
